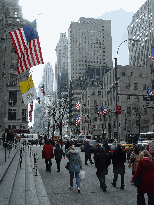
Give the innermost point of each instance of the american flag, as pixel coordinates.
(77, 105)
(38, 99)
(27, 45)
(152, 53)
(149, 92)
(78, 120)
(104, 111)
(42, 89)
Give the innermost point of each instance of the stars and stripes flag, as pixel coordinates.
(152, 53)
(77, 105)
(42, 90)
(149, 92)
(38, 99)
(78, 120)
(99, 114)
(104, 111)
(27, 46)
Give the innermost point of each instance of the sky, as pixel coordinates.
(54, 17)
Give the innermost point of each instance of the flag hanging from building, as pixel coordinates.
(149, 92)
(77, 105)
(104, 111)
(38, 99)
(27, 45)
(152, 53)
(42, 90)
(28, 90)
(78, 120)
(30, 111)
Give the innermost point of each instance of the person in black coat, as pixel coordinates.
(68, 144)
(88, 153)
(118, 160)
(58, 152)
(102, 161)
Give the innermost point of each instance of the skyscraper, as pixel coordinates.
(89, 45)
(141, 29)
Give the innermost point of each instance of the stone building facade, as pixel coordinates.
(14, 113)
(135, 117)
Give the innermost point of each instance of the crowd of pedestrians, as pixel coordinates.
(140, 163)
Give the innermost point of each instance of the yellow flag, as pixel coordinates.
(26, 85)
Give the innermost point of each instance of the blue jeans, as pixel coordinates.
(77, 178)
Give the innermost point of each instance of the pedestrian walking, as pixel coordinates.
(146, 165)
(102, 162)
(88, 153)
(48, 154)
(134, 158)
(96, 151)
(67, 145)
(58, 152)
(75, 164)
(118, 160)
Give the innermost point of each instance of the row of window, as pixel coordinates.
(12, 114)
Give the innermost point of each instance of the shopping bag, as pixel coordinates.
(82, 175)
(67, 166)
(137, 181)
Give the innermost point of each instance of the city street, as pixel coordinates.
(57, 185)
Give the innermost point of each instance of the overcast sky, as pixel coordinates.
(57, 15)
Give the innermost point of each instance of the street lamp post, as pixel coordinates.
(116, 83)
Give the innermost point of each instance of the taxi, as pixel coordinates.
(126, 146)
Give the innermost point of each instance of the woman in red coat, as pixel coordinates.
(48, 154)
(147, 181)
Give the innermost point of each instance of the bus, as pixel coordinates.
(147, 136)
(29, 138)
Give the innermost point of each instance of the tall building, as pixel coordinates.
(48, 79)
(13, 113)
(141, 29)
(89, 45)
(61, 68)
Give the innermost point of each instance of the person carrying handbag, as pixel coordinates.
(75, 164)
(134, 158)
(145, 168)
(47, 153)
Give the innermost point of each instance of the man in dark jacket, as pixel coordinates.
(47, 154)
(58, 152)
(67, 145)
(102, 162)
(88, 153)
(118, 160)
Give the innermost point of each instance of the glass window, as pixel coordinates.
(23, 114)
(128, 110)
(12, 97)
(11, 114)
(135, 86)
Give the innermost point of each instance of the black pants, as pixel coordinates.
(88, 156)
(116, 177)
(48, 164)
(102, 181)
(58, 164)
(141, 199)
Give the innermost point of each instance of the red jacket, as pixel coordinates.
(47, 151)
(147, 181)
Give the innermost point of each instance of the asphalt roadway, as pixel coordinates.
(57, 185)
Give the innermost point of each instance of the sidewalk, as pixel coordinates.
(9, 157)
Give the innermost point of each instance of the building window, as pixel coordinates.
(12, 97)
(136, 99)
(23, 114)
(95, 118)
(114, 124)
(153, 84)
(99, 93)
(9, 127)
(145, 111)
(129, 110)
(128, 98)
(135, 86)
(123, 73)
(13, 127)
(127, 85)
(13, 80)
(11, 114)
(144, 87)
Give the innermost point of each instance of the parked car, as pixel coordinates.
(80, 140)
(92, 143)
